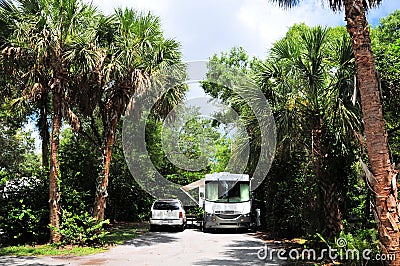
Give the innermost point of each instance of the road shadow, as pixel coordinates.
(151, 238)
(228, 231)
(23, 261)
(243, 252)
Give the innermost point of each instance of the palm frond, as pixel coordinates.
(335, 5)
(286, 3)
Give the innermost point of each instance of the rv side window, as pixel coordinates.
(212, 191)
(244, 192)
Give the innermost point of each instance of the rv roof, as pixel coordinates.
(226, 176)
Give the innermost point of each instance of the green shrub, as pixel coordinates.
(360, 240)
(81, 229)
(24, 211)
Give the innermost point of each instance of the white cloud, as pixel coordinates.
(266, 23)
(207, 27)
(145, 5)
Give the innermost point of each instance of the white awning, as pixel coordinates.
(195, 184)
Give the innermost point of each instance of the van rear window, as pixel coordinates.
(166, 206)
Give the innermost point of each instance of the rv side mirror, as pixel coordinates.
(202, 195)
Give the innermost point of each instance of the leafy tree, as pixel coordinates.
(53, 38)
(386, 47)
(287, 197)
(228, 70)
(134, 49)
(374, 125)
(188, 138)
(312, 88)
(15, 66)
(23, 218)
(127, 201)
(79, 165)
(17, 158)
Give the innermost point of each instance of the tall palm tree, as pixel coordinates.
(384, 182)
(135, 49)
(38, 95)
(311, 87)
(47, 36)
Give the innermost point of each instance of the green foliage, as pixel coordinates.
(80, 165)
(386, 47)
(120, 233)
(308, 80)
(195, 210)
(49, 250)
(308, 74)
(356, 200)
(287, 198)
(198, 138)
(185, 177)
(81, 229)
(360, 240)
(222, 155)
(23, 185)
(23, 224)
(17, 158)
(116, 234)
(23, 211)
(127, 200)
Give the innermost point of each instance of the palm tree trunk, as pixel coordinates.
(332, 216)
(102, 183)
(43, 126)
(54, 195)
(385, 187)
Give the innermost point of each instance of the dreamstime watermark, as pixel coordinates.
(341, 253)
(145, 101)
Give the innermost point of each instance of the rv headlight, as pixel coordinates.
(247, 215)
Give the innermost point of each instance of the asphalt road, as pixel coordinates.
(190, 247)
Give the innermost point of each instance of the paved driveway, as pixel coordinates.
(190, 247)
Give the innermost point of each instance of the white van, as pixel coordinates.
(167, 213)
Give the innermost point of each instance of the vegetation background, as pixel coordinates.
(71, 71)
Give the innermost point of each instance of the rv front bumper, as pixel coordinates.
(226, 221)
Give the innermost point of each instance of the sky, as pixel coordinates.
(210, 27)
(213, 26)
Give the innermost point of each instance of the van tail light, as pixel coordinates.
(180, 214)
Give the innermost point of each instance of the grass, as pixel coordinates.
(49, 250)
(117, 234)
(122, 232)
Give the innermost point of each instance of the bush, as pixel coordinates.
(360, 240)
(81, 229)
(24, 211)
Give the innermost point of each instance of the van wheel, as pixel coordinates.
(182, 228)
(152, 228)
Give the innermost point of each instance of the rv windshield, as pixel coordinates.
(227, 191)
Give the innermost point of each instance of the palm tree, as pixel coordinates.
(135, 49)
(38, 95)
(47, 36)
(384, 182)
(311, 89)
